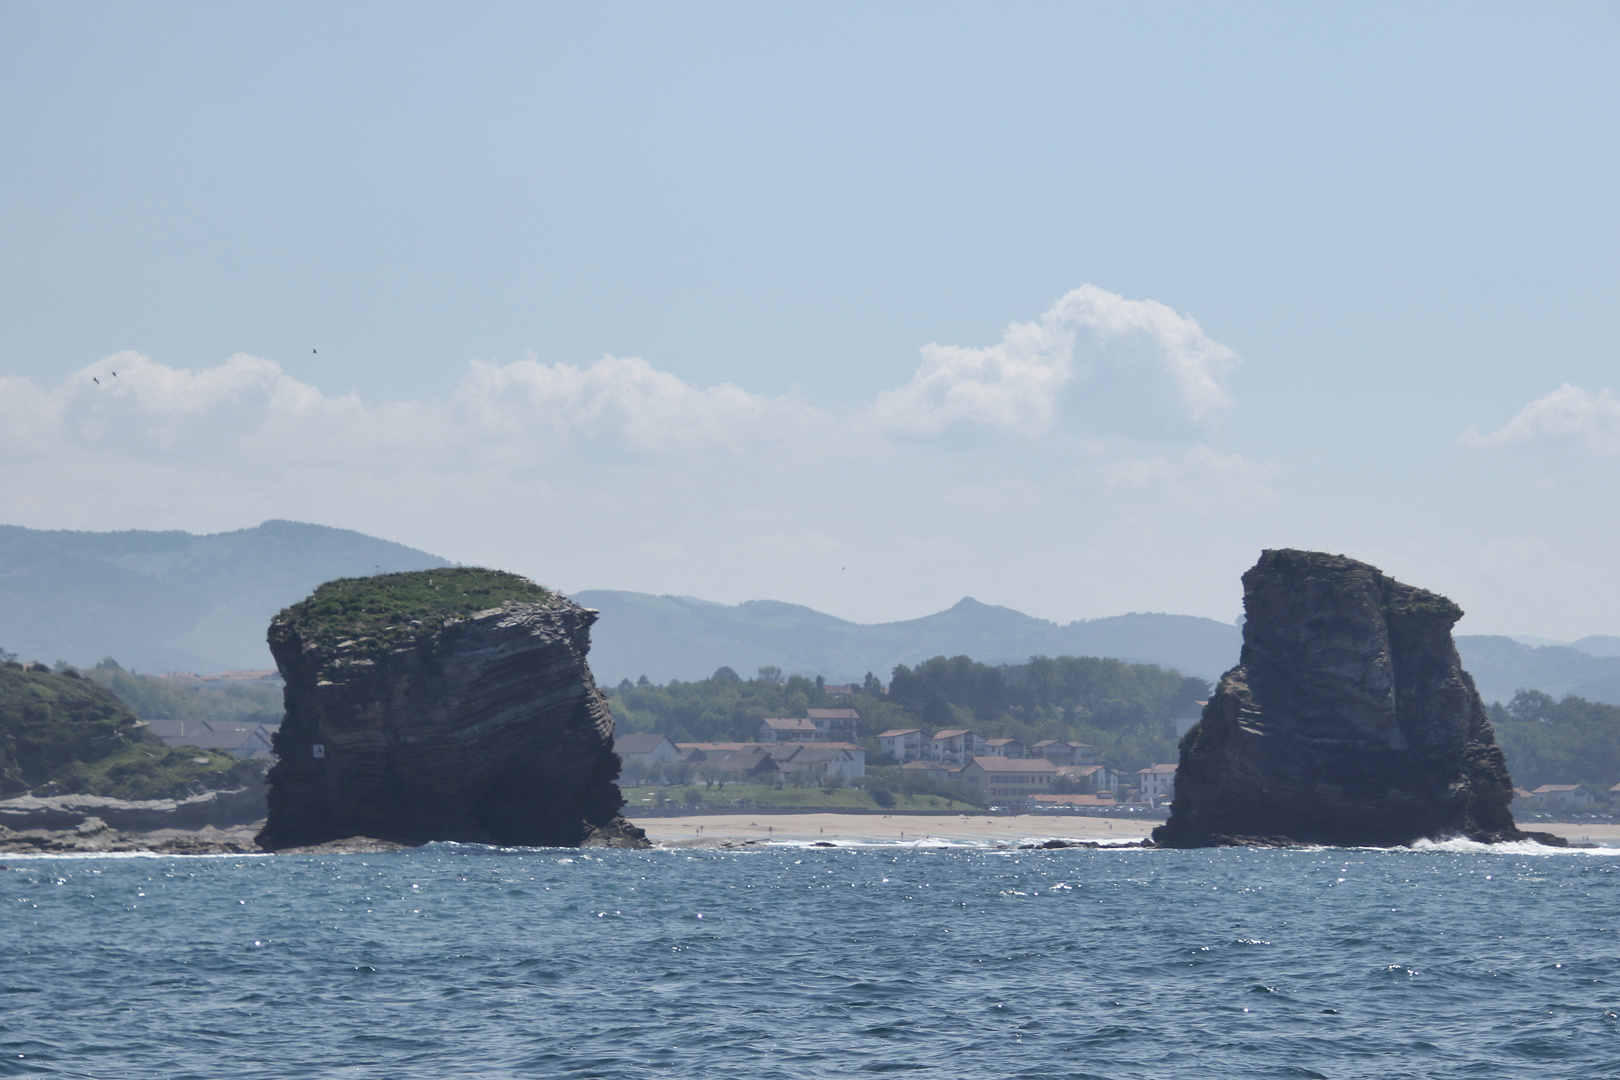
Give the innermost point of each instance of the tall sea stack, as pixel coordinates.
(1348, 721)
(442, 705)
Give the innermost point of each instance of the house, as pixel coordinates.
(1562, 796)
(646, 747)
(1157, 783)
(1056, 751)
(902, 744)
(787, 731)
(735, 761)
(839, 690)
(955, 747)
(834, 725)
(1102, 800)
(1528, 801)
(1009, 778)
(933, 770)
(1004, 748)
(1082, 753)
(1094, 777)
(241, 739)
(1182, 720)
(840, 761)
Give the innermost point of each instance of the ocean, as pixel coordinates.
(801, 962)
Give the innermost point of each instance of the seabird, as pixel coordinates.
(95, 380)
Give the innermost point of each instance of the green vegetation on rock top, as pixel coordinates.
(384, 609)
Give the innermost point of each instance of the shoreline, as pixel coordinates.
(719, 830)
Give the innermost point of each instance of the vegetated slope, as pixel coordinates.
(1501, 667)
(668, 637)
(172, 600)
(1548, 741)
(61, 732)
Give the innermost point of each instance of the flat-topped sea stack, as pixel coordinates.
(1348, 721)
(450, 704)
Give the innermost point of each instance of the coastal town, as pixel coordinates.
(824, 747)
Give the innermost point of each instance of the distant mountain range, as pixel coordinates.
(175, 601)
(668, 637)
(172, 601)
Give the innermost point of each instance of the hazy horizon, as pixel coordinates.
(1069, 308)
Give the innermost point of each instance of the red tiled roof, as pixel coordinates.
(832, 714)
(892, 732)
(1013, 764)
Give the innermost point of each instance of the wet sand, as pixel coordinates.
(876, 828)
(707, 829)
(1579, 832)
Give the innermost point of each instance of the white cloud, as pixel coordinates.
(1568, 414)
(1096, 362)
(250, 406)
(618, 474)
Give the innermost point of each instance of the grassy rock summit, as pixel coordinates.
(449, 704)
(1348, 721)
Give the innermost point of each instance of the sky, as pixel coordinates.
(1068, 307)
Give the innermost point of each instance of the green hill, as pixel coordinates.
(63, 733)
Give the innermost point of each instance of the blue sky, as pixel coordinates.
(1336, 276)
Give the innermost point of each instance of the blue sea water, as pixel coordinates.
(446, 961)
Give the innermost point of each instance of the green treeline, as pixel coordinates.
(154, 699)
(1122, 709)
(1546, 741)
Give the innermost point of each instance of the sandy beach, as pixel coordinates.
(713, 829)
(877, 828)
(1578, 832)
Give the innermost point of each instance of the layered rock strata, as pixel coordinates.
(1348, 721)
(484, 727)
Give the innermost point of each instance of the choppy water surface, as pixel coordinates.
(796, 962)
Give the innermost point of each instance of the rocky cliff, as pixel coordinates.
(441, 705)
(1348, 721)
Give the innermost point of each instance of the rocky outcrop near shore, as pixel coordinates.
(443, 705)
(1348, 721)
(214, 809)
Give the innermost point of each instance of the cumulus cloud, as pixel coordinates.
(249, 405)
(1568, 414)
(620, 474)
(1095, 362)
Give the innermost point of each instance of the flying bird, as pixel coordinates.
(95, 380)
(115, 374)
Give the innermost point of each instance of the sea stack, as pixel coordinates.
(1348, 721)
(442, 705)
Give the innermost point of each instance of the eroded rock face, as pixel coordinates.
(486, 728)
(1348, 721)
